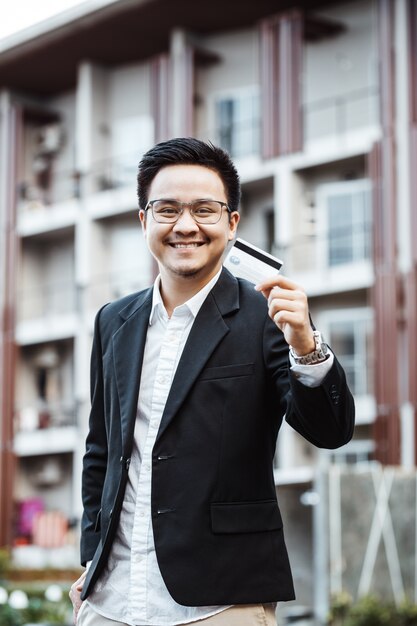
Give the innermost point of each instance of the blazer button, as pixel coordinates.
(334, 395)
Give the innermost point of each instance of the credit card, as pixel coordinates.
(247, 261)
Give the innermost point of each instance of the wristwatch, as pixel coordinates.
(319, 354)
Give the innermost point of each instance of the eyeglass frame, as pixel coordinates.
(181, 206)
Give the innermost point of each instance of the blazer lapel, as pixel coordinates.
(208, 330)
(128, 348)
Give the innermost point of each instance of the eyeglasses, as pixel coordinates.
(202, 211)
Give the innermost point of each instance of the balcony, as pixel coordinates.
(46, 312)
(330, 262)
(49, 206)
(343, 117)
(331, 246)
(43, 428)
(112, 286)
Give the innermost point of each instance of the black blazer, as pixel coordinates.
(216, 522)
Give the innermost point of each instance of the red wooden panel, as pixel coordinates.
(281, 52)
(7, 344)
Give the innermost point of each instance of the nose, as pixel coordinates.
(185, 223)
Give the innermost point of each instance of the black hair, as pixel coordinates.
(188, 151)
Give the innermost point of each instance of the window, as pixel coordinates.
(349, 333)
(237, 122)
(346, 221)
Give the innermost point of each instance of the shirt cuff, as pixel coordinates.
(87, 565)
(312, 375)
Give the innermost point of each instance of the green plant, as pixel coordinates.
(341, 605)
(407, 613)
(9, 616)
(41, 611)
(370, 611)
(4, 563)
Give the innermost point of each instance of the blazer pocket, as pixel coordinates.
(245, 517)
(227, 371)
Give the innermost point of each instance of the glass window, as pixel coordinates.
(351, 340)
(348, 216)
(237, 123)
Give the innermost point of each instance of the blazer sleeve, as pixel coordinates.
(324, 415)
(95, 458)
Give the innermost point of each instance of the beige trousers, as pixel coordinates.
(242, 615)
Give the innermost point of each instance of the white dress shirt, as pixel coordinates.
(131, 588)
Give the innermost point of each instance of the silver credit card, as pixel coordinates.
(247, 261)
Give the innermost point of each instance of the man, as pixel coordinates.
(190, 382)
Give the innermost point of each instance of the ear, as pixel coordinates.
(142, 218)
(233, 222)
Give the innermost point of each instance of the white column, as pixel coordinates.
(180, 82)
(4, 191)
(91, 115)
(403, 211)
(4, 186)
(402, 135)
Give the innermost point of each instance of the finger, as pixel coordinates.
(276, 281)
(288, 317)
(286, 294)
(292, 306)
(78, 585)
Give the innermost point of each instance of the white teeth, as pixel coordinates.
(186, 245)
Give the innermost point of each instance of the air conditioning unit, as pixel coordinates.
(50, 139)
(47, 472)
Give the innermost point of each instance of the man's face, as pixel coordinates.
(187, 250)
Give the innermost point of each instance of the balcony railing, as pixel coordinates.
(339, 114)
(61, 186)
(113, 172)
(41, 301)
(42, 415)
(325, 251)
(35, 193)
(111, 286)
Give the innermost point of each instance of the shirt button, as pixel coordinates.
(162, 380)
(147, 467)
(142, 513)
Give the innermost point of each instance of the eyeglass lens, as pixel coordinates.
(203, 211)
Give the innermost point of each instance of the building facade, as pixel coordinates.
(317, 105)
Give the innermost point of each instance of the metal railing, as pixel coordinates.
(113, 172)
(324, 250)
(33, 194)
(46, 300)
(342, 113)
(43, 415)
(113, 285)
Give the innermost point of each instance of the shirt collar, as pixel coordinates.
(194, 304)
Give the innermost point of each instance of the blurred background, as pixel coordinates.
(317, 104)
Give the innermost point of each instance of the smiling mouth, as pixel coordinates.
(195, 244)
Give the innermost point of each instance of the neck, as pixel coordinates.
(177, 290)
